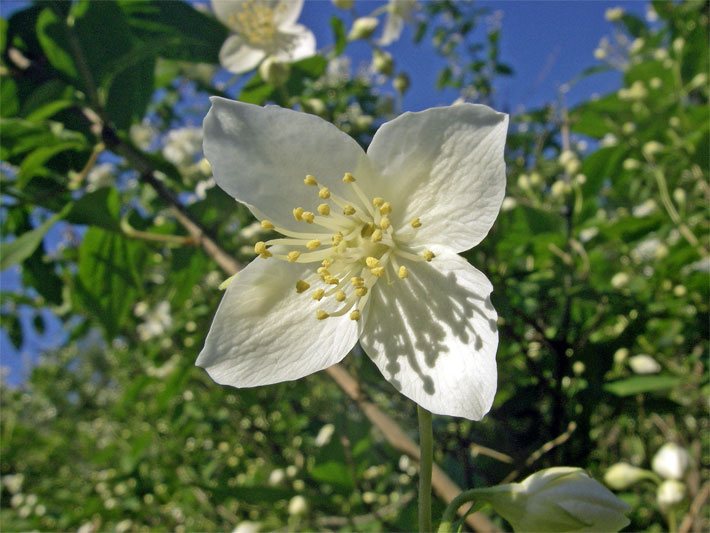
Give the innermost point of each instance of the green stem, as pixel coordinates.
(426, 458)
(672, 521)
(447, 519)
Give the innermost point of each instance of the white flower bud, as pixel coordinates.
(644, 364)
(621, 476)
(678, 45)
(362, 28)
(558, 499)
(614, 14)
(670, 494)
(401, 83)
(651, 148)
(559, 189)
(247, 527)
(276, 476)
(343, 4)
(620, 280)
(509, 203)
(671, 461)
(324, 435)
(297, 506)
(382, 62)
(631, 164)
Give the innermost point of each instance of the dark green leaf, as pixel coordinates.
(14, 252)
(641, 384)
(52, 35)
(339, 34)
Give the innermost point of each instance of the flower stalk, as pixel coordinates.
(426, 445)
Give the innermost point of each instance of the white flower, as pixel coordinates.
(182, 145)
(102, 175)
(247, 527)
(558, 499)
(297, 505)
(398, 12)
(157, 322)
(262, 28)
(369, 250)
(671, 461)
(644, 364)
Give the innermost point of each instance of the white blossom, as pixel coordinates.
(370, 250)
(644, 364)
(182, 145)
(262, 29)
(671, 461)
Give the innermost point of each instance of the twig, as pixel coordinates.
(542, 450)
(695, 508)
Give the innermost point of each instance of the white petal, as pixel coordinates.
(264, 332)
(295, 42)
(223, 9)
(287, 12)
(260, 155)
(447, 166)
(434, 336)
(393, 29)
(237, 56)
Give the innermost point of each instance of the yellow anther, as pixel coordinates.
(321, 315)
(376, 235)
(340, 296)
(293, 256)
(355, 315)
(318, 294)
(323, 271)
(337, 238)
(267, 224)
(312, 245)
(377, 201)
(357, 281)
(298, 213)
(348, 210)
(302, 286)
(348, 178)
(361, 291)
(324, 209)
(332, 280)
(326, 262)
(310, 180)
(428, 255)
(260, 248)
(403, 272)
(308, 217)
(378, 271)
(416, 223)
(324, 193)
(386, 208)
(385, 222)
(372, 262)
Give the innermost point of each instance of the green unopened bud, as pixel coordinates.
(314, 106)
(401, 83)
(274, 72)
(382, 62)
(363, 28)
(557, 499)
(621, 476)
(651, 148)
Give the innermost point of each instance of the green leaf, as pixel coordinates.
(15, 252)
(109, 279)
(641, 384)
(339, 33)
(52, 36)
(333, 472)
(130, 93)
(99, 208)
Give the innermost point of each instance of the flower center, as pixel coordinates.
(354, 245)
(254, 20)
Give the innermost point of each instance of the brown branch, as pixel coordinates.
(695, 509)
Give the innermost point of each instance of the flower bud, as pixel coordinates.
(671, 461)
(621, 476)
(670, 494)
(401, 83)
(558, 499)
(297, 506)
(274, 72)
(343, 4)
(613, 14)
(362, 28)
(382, 62)
(644, 364)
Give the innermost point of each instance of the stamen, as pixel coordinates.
(324, 193)
(267, 224)
(308, 216)
(298, 213)
(321, 315)
(302, 286)
(337, 239)
(428, 255)
(324, 209)
(312, 245)
(348, 178)
(317, 294)
(348, 210)
(386, 208)
(385, 222)
(293, 256)
(403, 272)
(377, 201)
(378, 271)
(372, 262)
(355, 315)
(376, 235)
(310, 180)
(260, 248)
(416, 223)
(361, 291)
(340, 295)
(357, 281)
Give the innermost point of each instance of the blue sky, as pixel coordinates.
(547, 43)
